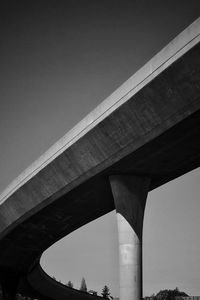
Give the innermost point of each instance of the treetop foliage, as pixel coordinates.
(169, 294)
(69, 284)
(83, 285)
(105, 292)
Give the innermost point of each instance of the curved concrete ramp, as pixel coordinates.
(48, 288)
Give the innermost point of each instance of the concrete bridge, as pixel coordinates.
(142, 136)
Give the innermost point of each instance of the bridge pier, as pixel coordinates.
(130, 193)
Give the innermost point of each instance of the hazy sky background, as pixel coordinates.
(58, 61)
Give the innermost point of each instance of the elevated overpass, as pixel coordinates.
(142, 136)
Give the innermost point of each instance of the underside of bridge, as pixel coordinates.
(154, 134)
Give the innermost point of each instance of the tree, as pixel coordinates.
(105, 292)
(69, 284)
(83, 287)
(169, 294)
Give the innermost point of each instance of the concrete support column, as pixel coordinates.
(130, 193)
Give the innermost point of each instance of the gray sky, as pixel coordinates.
(59, 60)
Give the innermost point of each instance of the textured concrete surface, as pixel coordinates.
(130, 261)
(130, 193)
(149, 127)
